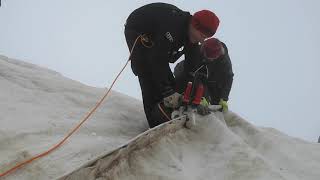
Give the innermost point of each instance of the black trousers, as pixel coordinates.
(151, 95)
(151, 98)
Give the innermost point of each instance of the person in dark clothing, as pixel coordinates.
(163, 29)
(212, 60)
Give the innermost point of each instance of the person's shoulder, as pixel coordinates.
(225, 48)
(223, 44)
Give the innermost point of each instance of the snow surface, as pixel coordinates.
(39, 106)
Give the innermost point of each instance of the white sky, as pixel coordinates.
(274, 47)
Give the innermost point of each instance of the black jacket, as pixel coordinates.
(167, 27)
(220, 74)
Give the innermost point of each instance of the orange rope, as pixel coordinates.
(75, 128)
(164, 113)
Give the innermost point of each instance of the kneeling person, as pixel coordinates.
(211, 59)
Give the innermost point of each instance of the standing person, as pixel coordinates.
(163, 29)
(212, 60)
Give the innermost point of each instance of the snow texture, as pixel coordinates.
(39, 106)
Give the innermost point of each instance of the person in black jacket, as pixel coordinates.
(212, 61)
(163, 29)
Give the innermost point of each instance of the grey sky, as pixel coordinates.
(274, 46)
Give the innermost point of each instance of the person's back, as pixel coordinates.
(220, 77)
(152, 17)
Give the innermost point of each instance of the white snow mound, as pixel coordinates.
(39, 106)
(219, 147)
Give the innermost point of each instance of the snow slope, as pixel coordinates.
(39, 106)
(214, 149)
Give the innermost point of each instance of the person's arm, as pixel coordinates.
(227, 76)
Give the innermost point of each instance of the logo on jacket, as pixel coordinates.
(169, 37)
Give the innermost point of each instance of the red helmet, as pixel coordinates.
(212, 49)
(206, 22)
